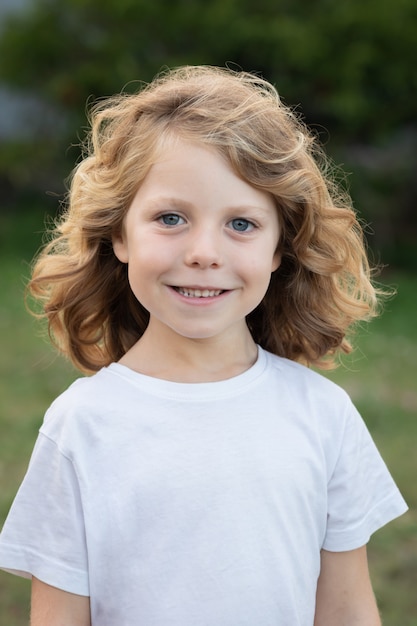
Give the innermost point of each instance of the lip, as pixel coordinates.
(198, 300)
(198, 287)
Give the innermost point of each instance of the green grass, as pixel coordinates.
(381, 377)
(30, 377)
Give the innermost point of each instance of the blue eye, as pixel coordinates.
(171, 219)
(241, 225)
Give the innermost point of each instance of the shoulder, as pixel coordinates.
(304, 381)
(320, 409)
(86, 391)
(86, 403)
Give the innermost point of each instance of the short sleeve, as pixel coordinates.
(44, 533)
(362, 496)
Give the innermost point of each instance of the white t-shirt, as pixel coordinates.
(176, 504)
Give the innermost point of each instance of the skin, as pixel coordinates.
(195, 224)
(54, 607)
(344, 591)
(195, 228)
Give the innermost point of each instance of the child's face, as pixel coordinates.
(200, 244)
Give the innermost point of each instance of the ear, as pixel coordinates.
(276, 261)
(120, 248)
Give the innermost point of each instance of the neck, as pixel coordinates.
(180, 359)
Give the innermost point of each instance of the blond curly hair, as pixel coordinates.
(323, 285)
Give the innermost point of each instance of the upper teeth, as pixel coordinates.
(198, 293)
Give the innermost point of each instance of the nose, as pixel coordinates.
(204, 248)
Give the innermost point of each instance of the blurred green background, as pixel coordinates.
(348, 68)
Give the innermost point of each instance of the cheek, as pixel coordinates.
(258, 277)
(264, 260)
(148, 261)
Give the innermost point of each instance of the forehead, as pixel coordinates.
(197, 171)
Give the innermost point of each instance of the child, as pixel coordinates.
(203, 475)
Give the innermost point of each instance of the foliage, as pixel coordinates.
(349, 66)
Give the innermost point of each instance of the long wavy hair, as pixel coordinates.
(321, 289)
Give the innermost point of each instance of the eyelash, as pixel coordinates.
(167, 216)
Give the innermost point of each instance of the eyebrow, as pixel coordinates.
(180, 203)
(168, 200)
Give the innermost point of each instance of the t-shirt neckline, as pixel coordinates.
(165, 388)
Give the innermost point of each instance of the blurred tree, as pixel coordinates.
(350, 65)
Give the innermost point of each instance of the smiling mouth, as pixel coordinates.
(198, 293)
